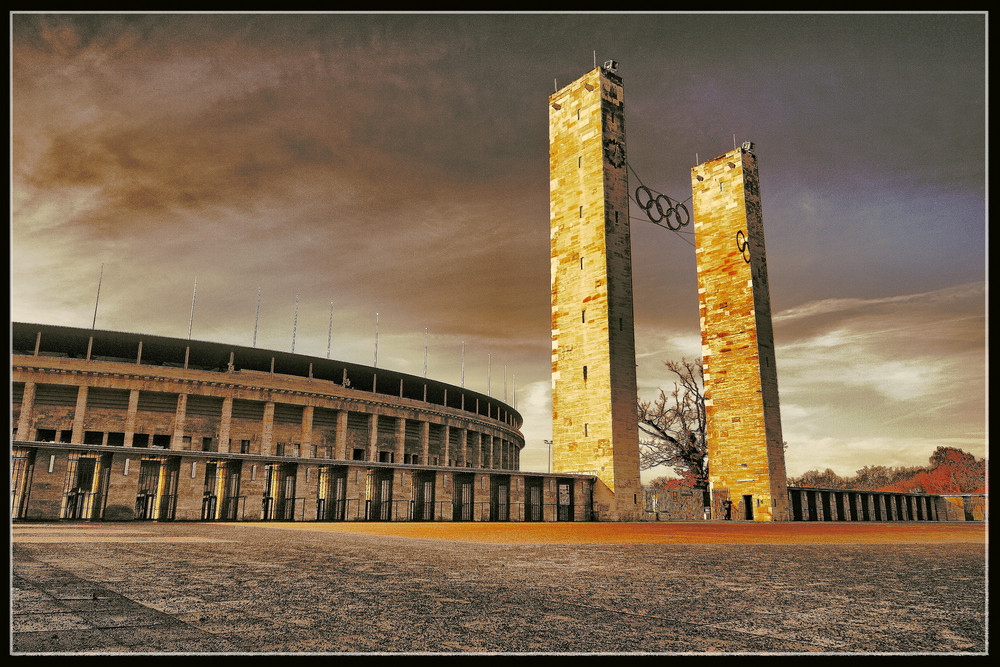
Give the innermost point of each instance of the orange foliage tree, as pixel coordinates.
(950, 471)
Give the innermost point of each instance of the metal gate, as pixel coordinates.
(210, 494)
(533, 503)
(499, 498)
(379, 495)
(463, 498)
(331, 499)
(148, 493)
(279, 493)
(22, 464)
(83, 492)
(168, 492)
(423, 496)
(230, 490)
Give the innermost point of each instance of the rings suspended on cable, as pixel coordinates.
(661, 209)
(743, 246)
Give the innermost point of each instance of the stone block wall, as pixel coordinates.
(674, 504)
(970, 507)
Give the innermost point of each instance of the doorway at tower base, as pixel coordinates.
(739, 505)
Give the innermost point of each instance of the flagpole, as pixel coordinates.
(295, 322)
(329, 336)
(194, 294)
(256, 318)
(94, 324)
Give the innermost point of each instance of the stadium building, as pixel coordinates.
(122, 426)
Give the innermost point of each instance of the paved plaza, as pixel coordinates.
(498, 588)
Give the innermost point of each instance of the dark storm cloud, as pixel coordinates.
(303, 141)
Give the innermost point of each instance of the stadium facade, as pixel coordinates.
(122, 426)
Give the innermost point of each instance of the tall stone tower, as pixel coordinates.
(594, 426)
(745, 448)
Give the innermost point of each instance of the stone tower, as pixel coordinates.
(745, 448)
(594, 426)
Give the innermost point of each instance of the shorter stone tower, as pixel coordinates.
(745, 447)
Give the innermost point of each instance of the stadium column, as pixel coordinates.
(267, 430)
(133, 409)
(340, 448)
(745, 447)
(79, 413)
(177, 440)
(446, 435)
(307, 428)
(593, 341)
(463, 440)
(373, 437)
(225, 423)
(425, 442)
(27, 406)
(400, 439)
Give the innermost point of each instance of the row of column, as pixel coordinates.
(491, 451)
(815, 505)
(48, 481)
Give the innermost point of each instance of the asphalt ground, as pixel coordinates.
(666, 588)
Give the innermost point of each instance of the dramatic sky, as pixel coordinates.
(398, 165)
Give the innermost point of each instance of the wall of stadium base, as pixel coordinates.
(52, 481)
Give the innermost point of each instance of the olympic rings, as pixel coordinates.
(743, 246)
(665, 209)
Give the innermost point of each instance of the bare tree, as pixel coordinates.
(672, 428)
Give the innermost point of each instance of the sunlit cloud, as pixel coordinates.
(880, 375)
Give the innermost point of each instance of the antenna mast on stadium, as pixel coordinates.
(194, 294)
(99, 279)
